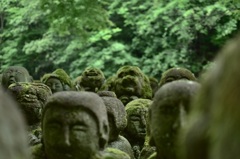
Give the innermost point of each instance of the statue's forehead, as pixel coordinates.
(15, 69)
(68, 115)
(53, 79)
(137, 111)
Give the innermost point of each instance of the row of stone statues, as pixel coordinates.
(122, 117)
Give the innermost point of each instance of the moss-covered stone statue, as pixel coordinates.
(15, 74)
(13, 138)
(74, 125)
(91, 79)
(31, 98)
(58, 81)
(177, 73)
(154, 85)
(76, 83)
(167, 115)
(135, 131)
(108, 84)
(131, 83)
(117, 119)
(214, 123)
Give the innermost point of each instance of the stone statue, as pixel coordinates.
(135, 131)
(108, 84)
(74, 125)
(154, 85)
(15, 74)
(76, 83)
(13, 138)
(91, 79)
(213, 128)
(131, 84)
(31, 98)
(58, 81)
(117, 119)
(167, 115)
(177, 73)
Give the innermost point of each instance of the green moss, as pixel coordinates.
(38, 152)
(109, 84)
(92, 79)
(136, 104)
(135, 71)
(59, 74)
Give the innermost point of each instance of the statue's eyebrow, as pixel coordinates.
(79, 123)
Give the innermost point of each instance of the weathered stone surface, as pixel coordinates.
(167, 115)
(177, 73)
(15, 74)
(13, 138)
(131, 83)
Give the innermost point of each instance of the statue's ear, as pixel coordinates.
(104, 135)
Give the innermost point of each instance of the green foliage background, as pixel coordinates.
(155, 35)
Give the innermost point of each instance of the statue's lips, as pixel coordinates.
(91, 74)
(129, 89)
(29, 98)
(142, 133)
(11, 81)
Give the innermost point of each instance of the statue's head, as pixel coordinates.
(74, 125)
(177, 73)
(58, 81)
(167, 115)
(116, 113)
(15, 74)
(137, 111)
(92, 79)
(14, 143)
(108, 84)
(31, 98)
(131, 82)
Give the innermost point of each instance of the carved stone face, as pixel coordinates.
(116, 114)
(15, 74)
(92, 79)
(165, 124)
(54, 84)
(31, 97)
(168, 114)
(136, 125)
(70, 133)
(129, 82)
